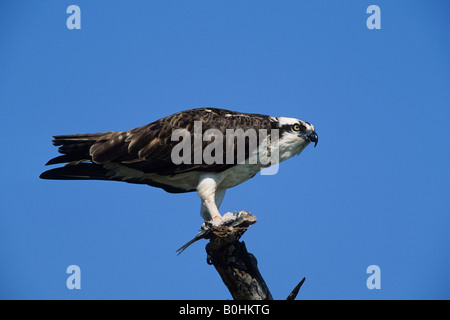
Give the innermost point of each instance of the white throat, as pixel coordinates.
(291, 144)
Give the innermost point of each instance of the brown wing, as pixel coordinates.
(148, 148)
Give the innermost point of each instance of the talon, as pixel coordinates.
(217, 221)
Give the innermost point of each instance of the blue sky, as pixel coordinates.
(375, 191)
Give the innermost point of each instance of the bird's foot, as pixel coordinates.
(229, 222)
(229, 219)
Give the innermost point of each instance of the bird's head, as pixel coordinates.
(294, 136)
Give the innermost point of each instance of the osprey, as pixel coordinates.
(171, 153)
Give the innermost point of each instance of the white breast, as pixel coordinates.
(237, 175)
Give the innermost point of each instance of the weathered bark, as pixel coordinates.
(235, 265)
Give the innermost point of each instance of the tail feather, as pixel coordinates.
(75, 147)
(86, 138)
(76, 171)
(76, 154)
(90, 171)
(68, 158)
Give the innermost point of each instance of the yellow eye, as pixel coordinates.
(296, 127)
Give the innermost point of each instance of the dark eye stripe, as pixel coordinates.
(302, 127)
(290, 127)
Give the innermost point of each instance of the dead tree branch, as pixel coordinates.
(235, 265)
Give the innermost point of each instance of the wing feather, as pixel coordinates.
(148, 148)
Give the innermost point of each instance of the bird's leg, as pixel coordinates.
(204, 211)
(209, 211)
(207, 192)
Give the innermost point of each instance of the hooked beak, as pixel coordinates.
(313, 137)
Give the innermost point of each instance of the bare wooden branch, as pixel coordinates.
(294, 292)
(236, 266)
